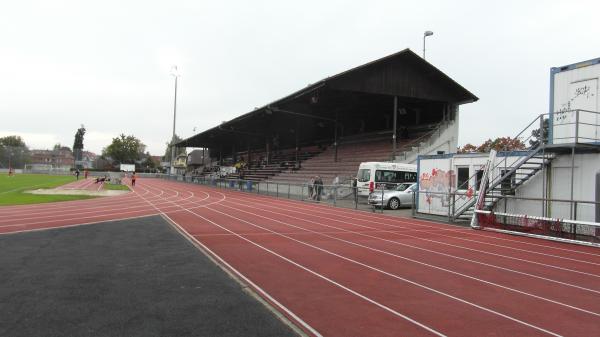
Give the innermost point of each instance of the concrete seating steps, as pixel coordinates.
(349, 158)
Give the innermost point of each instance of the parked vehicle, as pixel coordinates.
(401, 196)
(375, 175)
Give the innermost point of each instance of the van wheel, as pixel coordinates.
(394, 203)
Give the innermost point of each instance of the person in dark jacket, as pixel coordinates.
(318, 188)
(355, 189)
(241, 179)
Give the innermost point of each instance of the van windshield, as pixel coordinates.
(364, 175)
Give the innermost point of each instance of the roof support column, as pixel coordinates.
(249, 159)
(233, 154)
(335, 141)
(221, 155)
(268, 150)
(297, 149)
(394, 128)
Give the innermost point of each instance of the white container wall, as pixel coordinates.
(575, 88)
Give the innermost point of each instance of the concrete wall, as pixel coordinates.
(558, 179)
(446, 140)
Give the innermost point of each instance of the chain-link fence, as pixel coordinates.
(340, 195)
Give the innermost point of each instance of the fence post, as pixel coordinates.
(414, 203)
(355, 191)
(289, 187)
(277, 190)
(575, 210)
(334, 196)
(382, 189)
(452, 207)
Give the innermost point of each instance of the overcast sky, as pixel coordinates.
(106, 64)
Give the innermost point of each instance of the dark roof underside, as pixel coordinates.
(353, 94)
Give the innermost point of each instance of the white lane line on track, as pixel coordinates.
(261, 291)
(76, 225)
(86, 223)
(438, 225)
(313, 273)
(233, 233)
(366, 234)
(22, 188)
(80, 217)
(88, 210)
(400, 257)
(8, 211)
(374, 269)
(412, 223)
(84, 210)
(448, 244)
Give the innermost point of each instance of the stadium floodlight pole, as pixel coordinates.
(175, 74)
(426, 34)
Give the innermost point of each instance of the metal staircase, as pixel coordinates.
(507, 175)
(506, 178)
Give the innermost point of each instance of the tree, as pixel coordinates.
(59, 146)
(13, 151)
(180, 150)
(148, 163)
(498, 144)
(124, 150)
(539, 135)
(468, 148)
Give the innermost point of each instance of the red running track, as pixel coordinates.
(340, 272)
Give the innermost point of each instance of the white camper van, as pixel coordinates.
(374, 175)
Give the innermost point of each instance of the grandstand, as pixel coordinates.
(380, 111)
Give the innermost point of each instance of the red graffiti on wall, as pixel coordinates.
(437, 184)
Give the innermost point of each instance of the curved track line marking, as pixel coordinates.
(405, 259)
(454, 245)
(255, 286)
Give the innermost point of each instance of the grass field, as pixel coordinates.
(12, 189)
(116, 187)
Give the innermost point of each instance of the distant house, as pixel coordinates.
(57, 159)
(157, 160)
(87, 160)
(180, 164)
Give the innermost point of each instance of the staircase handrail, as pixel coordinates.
(532, 152)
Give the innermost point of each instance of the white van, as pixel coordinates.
(375, 175)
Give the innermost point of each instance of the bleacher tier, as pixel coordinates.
(349, 157)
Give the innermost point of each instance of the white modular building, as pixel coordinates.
(557, 176)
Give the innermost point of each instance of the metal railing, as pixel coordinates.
(575, 127)
(584, 210)
(336, 195)
(525, 135)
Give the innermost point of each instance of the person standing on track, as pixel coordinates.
(133, 177)
(77, 173)
(85, 173)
